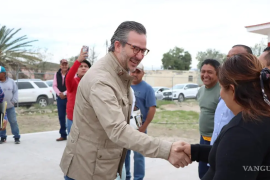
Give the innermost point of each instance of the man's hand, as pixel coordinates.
(4, 125)
(186, 148)
(178, 157)
(142, 128)
(62, 96)
(83, 56)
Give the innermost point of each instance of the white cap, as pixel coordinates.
(140, 67)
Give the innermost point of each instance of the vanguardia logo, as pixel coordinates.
(256, 168)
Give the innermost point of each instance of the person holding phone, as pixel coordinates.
(80, 66)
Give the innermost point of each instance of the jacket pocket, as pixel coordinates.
(107, 161)
(66, 162)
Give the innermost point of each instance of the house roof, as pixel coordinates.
(263, 29)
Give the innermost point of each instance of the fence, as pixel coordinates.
(30, 75)
(170, 78)
(164, 78)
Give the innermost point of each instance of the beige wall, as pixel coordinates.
(168, 78)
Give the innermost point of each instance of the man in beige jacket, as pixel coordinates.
(100, 134)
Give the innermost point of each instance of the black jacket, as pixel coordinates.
(241, 151)
(60, 85)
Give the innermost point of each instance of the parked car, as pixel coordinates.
(181, 92)
(50, 84)
(31, 91)
(158, 92)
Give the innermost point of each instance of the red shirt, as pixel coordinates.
(72, 83)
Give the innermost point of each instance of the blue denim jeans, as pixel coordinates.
(139, 166)
(123, 174)
(69, 124)
(68, 178)
(11, 115)
(203, 167)
(61, 106)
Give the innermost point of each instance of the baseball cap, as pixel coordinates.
(63, 61)
(2, 69)
(140, 67)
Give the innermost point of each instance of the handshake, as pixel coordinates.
(180, 154)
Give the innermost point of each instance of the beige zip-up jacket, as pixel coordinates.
(100, 134)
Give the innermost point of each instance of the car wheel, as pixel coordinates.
(42, 101)
(181, 98)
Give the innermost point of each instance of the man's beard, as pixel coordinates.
(124, 60)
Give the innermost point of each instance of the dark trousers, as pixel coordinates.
(61, 106)
(203, 168)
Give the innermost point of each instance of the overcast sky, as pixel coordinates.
(63, 26)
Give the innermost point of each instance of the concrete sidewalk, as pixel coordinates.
(38, 157)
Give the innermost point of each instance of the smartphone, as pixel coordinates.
(85, 49)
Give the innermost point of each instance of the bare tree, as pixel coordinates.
(258, 48)
(92, 56)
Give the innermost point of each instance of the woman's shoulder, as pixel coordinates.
(257, 128)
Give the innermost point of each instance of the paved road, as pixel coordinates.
(38, 157)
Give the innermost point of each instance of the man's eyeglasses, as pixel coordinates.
(136, 49)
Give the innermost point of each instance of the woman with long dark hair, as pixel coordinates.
(242, 150)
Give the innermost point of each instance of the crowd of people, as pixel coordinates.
(95, 105)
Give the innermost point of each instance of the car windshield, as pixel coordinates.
(155, 89)
(178, 87)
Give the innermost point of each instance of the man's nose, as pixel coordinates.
(140, 55)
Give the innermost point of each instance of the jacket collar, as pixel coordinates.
(120, 71)
(59, 71)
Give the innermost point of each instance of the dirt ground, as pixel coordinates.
(184, 106)
(48, 122)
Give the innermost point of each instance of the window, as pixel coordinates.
(25, 85)
(190, 78)
(188, 86)
(50, 83)
(41, 84)
(194, 86)
(178, 87)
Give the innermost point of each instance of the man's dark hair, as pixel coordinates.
(86, 62)
(248, 49)
(211, 62)
(267, 56)
(121, 33)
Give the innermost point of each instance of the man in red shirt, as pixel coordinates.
(80, 67)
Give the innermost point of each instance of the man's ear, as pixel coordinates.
(117, 46)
